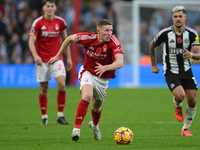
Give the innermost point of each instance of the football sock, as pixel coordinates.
(178, 105)
(60, 114)
(43, 104)
(189, 116)
(61, 99)
(81, 113)
(96, 117)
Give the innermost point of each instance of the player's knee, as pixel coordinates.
(87, 96)
(192, 103)
(180, 97)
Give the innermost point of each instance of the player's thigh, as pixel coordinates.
(58, 69)
(87, 92)
(43, 73)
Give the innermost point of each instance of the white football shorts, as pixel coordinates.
(99, 85)
(44, 72)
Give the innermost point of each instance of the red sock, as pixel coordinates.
(81, 113)
(96, 117)
(43, 103)
(61, 99)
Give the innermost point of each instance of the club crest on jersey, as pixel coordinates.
(57, 27)
(105, 48)
(172, 85)
(186, 41)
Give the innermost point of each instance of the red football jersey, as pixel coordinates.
(48, 36)
(103, 53)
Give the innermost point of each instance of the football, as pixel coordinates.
(123, 135)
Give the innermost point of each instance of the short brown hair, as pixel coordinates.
(51, 1)
(103, 22)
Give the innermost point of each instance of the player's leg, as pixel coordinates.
(43, 102)
(61, 99)
(190, 111)
(179, 95)
(59, 73)
(175, 86)
(43, 76)
(96, 115)
(87, 94)
(100, 88)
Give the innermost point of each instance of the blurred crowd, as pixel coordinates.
(17, 16)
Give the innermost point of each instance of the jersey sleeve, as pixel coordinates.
(196, 40)
(63, 25)
(116, 45)
(83, 38)
(34, 28)
(159, 38)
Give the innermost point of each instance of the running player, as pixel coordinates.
(178, 41)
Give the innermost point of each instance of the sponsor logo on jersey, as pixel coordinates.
(50, 33)
(43, 28)
(176, 51)
(96, 55)
(91, 47)
(44, 33)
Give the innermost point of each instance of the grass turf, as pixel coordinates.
(149, 113)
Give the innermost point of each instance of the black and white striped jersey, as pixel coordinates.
(173, 48)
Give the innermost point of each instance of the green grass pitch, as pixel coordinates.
(148, 112)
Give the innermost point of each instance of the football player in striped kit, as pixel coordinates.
(179, 40)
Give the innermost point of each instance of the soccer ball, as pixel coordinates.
(123, 135)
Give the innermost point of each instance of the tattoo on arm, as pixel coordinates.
(152, 53)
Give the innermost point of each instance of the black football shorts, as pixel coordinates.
(187, 80)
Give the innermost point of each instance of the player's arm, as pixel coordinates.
(118, 63)
(152, 51)
(69, 40)
(68, 52)
(37, 58)
(195, 55)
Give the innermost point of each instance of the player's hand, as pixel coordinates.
(69, 64)
(38, 60)
(100, 69)
(53, 60)
(155, 69)
(187, 54)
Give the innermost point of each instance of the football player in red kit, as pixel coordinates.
(103, 55)
(44, 43)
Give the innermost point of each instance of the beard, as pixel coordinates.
(178, 26)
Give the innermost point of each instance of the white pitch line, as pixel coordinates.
(102, 122)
